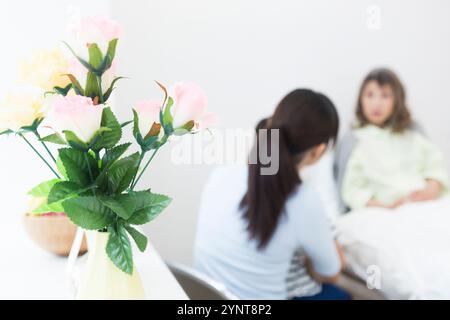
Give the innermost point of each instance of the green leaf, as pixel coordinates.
(133, 200)
(136, 130)
(62, 190)
(8, 131)
(86, 64)
(75, 84)
(140, 239)
(185, 129)
(43, 189)
(100, 131)
(96, 141)
(180, 132)
(150, 143)
(92, 88)
(111, 155)
(168, 127)
(161, 142)
(148, 207)
(54, 138)
(111, 51)
(46, 207)
(74, 141)
(34, 126)
(95, 57)
(118, 249)
(88, 212)
(145, 144)
(124, 124)
(61, 169)
(109, 57)
(167, 115)
(105, 65)
(189, 125)
(122, 209)
(76, 167)
(108, 92)
(63, 91)
(101, 182)
(130, 201)
(110, 138)
(122, 173)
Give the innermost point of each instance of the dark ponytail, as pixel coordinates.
(304, 119)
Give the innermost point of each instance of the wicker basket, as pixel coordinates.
(53, 233)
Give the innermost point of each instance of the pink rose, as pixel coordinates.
(97, 29)
(77, 114)
(189, 105)
(208, 120)
(148, 114)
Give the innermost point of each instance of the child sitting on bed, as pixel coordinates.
(392, 163)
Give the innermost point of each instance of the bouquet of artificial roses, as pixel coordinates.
(95, 182)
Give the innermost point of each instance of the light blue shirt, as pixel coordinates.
(224, 252)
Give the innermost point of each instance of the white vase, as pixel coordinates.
(101, 279)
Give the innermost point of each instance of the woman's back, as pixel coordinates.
(224, 251)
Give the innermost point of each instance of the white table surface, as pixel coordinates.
(28, 272)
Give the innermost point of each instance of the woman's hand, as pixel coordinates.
(432, 191)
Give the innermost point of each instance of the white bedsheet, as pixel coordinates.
(410, 245)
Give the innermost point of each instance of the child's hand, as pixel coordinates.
(395, 204)
(432, 191)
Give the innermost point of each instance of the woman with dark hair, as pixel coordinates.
(263, 233)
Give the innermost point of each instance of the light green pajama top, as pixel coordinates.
(386, 166)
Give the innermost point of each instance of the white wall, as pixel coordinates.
(248, 54)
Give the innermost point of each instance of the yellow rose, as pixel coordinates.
(19, 110)
(46, 70)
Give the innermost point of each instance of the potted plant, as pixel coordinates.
(96, 178)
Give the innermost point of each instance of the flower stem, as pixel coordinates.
(99, 82)
(145, 167)
(89, 169)
(40, 156)
(139, 164)
(45, 146)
